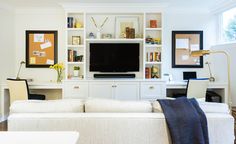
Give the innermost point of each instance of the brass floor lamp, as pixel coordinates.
(208, 52)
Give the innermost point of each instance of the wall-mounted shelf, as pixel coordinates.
(75, 63)
(153, 45)
(153, 29)
(115, 40)
(75, 29)
(75, 46)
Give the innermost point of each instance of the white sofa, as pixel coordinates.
(111, 121)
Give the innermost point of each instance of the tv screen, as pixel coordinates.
(114, 57)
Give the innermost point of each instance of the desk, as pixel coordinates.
(34, 88)
(180, 86)
(39, 137)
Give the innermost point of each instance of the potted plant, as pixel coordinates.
(76, 71)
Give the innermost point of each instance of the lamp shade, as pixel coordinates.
(199, 53)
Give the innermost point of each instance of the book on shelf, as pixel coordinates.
(72, 54)
(147, 72)
(153, 57)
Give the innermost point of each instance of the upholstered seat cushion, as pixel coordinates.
(109, 106)
(48, 106)
(207, 107)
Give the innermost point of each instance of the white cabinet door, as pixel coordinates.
(126, 90)
(153, 90)
(100, 89)
(76, 90)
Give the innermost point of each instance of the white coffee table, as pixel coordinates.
(43, 137)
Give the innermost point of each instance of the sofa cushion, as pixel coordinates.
(207, 107)
(109, 106)
(47, 106)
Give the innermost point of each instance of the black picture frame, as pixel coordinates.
(175, 57)
(48, 53)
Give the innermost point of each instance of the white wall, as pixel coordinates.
(7, 41)
(38, 19)
(53, 19)
(186, 20)
(219, 66)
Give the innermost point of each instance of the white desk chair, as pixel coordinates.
(19, 90)
(196, 88)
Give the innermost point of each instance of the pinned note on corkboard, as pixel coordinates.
(41, 48)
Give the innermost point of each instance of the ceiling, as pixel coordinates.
(56, 3)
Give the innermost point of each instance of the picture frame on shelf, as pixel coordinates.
(76, 40)
(121, 22)
(41, 48)
(183, 42)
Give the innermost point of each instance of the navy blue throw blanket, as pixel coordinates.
(186, 121)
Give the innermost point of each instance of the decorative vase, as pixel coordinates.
(76, 73)
(59, 77)
(98, 33)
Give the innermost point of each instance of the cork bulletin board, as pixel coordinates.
(41, 48)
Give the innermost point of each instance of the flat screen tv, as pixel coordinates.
(114, 57)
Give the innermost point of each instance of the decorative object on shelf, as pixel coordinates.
(122, 22)
(59, 67)
(183, 43)
(153, 23)
(91, 36)
(150, 40)
(70, 22)
(41, 48)
(76, 71)
(79, 58)
(76, 40)
(106, 36)
(18, 73)
(99, 28)
(211, 78)
(155, 72)
(129, 33)
(78, 24)
(208, 52)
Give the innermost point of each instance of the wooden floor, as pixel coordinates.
(3, 126)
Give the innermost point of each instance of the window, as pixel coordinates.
(229, 25)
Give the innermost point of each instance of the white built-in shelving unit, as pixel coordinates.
(87, 26)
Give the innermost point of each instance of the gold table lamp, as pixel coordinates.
(208, 52)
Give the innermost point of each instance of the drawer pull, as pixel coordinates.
(113, 86)
(151, 87)
(76, 87)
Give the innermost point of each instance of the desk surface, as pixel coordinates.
(39, 137)
(183, 84)
(40, 85)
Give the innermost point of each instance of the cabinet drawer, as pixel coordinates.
(152, 90)
(76, 90)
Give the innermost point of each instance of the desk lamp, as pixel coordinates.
(18, 73)
(208, 52)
